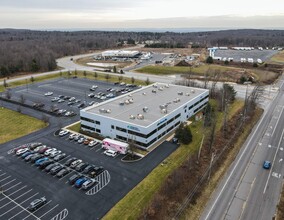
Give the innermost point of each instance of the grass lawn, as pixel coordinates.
(15, 125)
(75, 127)
(131, 206)
(277, 58)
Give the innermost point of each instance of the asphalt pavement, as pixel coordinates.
(248, 191)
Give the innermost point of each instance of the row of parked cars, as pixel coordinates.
(81, 139)
(47, 159)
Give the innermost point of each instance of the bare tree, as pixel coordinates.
(132, 80)
(45, 118)
(22, 99)
(147, 81)
(8, 94)
(107, 77)
(120, 78)
(95, 75)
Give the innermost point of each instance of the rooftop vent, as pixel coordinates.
(130, 95)
(167, 86)
(144, 93)
(121, 103)
(180, 93)
(177, 100)
(102, 110)
(126, 102)
(164, 111)
(155, 86)
(161, 88)
(130, 101)
(192, 91)
(132, 117)
(154, 91)
(140, 116)
(187, 94)
(145, 109)
(163, 106)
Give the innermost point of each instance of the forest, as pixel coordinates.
(33, 51)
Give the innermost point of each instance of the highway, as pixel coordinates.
(248, 191)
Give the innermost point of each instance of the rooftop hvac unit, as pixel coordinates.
(187, 94)
(130, 101)
(154, 91)
(180, 93)
(192, 91)
(140, 116)
(161, 88)
(121, 103)
(132, 117)
(108, 111)
(102, 110)
(167, 86)
(155, 86)
(177, 100)
(144, 93)
(164, 111)
(145, 109)
(126, 102)
(130, 95)
(163, 106)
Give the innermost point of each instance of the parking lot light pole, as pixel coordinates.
(27, 85)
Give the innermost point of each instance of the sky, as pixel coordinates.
(155, 14)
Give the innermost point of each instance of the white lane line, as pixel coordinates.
(277, 121)
(273, 162)
(8, 182)
(49, 211)
(17, 205)
(12, 186)
(234, 168)
(30, 213)
(2, 174)
(16, 198)
(14, 191)
(5, 178)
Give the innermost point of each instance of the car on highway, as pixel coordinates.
(266, 164)
(37, 203)
(59, 157)
(79, 182)
(110, 153)
(48, 94)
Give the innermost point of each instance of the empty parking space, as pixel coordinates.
(15, 199)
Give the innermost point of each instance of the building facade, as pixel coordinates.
(145, 115)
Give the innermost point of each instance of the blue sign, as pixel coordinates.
(162, 121)
(133, 128)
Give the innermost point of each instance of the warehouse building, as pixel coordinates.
(120, 54)
(145, 115)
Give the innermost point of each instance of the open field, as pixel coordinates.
(131, 206)
(277, 58)
(226, 73)
(15, 125)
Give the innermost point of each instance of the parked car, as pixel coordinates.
(89, 183)
(37, 149)
(69, 161)
(42, 150)
(40, 161)
(37, 203)
(36, 157)
(74, 178)
(75, 163)
(81, 105)
(96, 171)
(28, 157)
(87, 141)
(92, 143)
(77, 137)
(55, 99)
(21, 151)
(110, 153)
(79, 182)
(92, 103)
(63, 133)
(56, 169)
(49, 151)
(26, 154)
(72, 136)
(81, 167)
(81, 140)
(45, 164)
(88, 169)
(55, 153)
(70, 103)
(59, 157)
(50, 166)
(63, 172)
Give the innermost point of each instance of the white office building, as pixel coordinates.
(145, 115)
(121, 54)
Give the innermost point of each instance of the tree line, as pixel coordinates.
(33, 51)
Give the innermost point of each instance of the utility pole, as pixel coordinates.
(211, 162)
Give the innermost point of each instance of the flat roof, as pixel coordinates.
(148, 101)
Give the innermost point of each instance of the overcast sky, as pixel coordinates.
(91, 14)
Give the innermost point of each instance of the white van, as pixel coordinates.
(110, 153)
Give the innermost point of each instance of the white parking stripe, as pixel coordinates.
(13, 192)
(16, 198)
(17, 204)
(8, 182)
(13, 186)
(49, 211)
(5, 178)
(2, 174)
(61, 215)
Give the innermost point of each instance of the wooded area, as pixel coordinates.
(33, 51)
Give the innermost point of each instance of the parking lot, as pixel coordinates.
(66, 96)
(255, 54)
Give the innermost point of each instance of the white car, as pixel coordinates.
(92, 143)
(21, 151)
(110, 153)
(75, 163)
(39, 148)
(72, 136)
(49, 151)
(55, 99)
(48, 93)
(55, 153)
(63, 133)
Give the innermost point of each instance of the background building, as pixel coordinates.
(145, 115)
(120, 54)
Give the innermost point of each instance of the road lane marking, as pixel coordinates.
(273, 161)
(277, 175)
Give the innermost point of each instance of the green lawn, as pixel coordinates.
(15, 125)
(131, 206)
